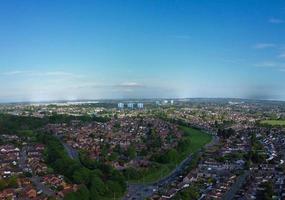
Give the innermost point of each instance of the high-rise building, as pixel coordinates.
(121, 105)
(157, 103)
(131, 105)
(140, 105)
(172, 102)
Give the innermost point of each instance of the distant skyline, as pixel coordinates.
(69, 50)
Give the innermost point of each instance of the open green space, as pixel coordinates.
(197, 138)
(273, 122)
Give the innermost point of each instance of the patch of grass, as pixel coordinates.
(198, 140)
(154, 173)
(273, 122)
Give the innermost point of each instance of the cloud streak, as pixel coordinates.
(274, 20)
(124, 85)
(277, 66)
(129, 85)
(264, 45)
(41, 74)
(266, 64)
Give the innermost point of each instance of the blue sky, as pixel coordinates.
(141, 49)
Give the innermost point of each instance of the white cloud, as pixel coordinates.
(40, 74)
(264, 45)
(275, 21)
(129, 85)
(13, 73)
(276, 66)
(124, 85)
(266, 64)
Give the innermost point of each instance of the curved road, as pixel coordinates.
(143, 191)
(72, 153)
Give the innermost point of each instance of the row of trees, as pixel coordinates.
(12, 124)
(173, 155)
(97, 181)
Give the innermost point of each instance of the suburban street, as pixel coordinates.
(142, 191)
(72, 153)
(36, 180)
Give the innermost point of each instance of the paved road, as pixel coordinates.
(143, 191)
(23, 158)
(72, 153)
(42, 187)
(236, 186)
(139, 191)
(36, 180)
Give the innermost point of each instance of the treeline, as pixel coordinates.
(178, 121)
(68, 118)
(12, 123)
(100, 181)
(95, 183)
(256, 154)
(173, 155)
(225, 133)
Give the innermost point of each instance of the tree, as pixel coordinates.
(170, 156)
(191, 193)
(97, 186)
(94, 194)
(225, 133)
(267, 192)
(131, 152)
(183, 145)
(132, 173)
(70, 196)
(83, 193)
(82, 176)
(114, 156)
(114, 188)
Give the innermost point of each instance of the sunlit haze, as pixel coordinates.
(72, 50)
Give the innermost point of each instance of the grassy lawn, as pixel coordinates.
(198, 140)
(273, 122)
(154, 174)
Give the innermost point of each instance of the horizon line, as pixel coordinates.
(134, 99)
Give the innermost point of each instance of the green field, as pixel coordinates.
(198, 140)
(273, 122)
